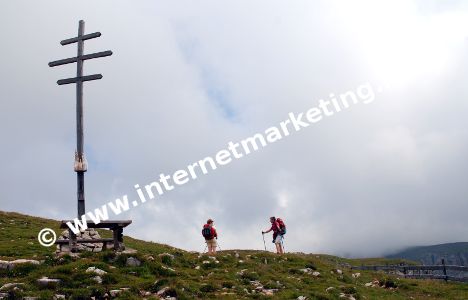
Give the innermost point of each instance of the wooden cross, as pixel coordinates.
(80, 161)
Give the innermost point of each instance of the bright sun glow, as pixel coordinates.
(400, 44)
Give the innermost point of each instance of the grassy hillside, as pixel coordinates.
(453, 253)
(234, 274)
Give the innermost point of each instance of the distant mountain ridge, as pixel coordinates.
(453, 253)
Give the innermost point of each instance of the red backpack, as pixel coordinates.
(282, 226)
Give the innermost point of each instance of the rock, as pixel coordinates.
(129, 251)
(59, 296)
(241, 261)
(145, 293)
(269, 292)
(356, 275)
(205, 262)
(339, 271)
(4, 296)
(167, 254)
(197, 268)
(133, 262)
(241, 272)
(329, 289)
(307, 271)
(47, 282)
(96, 271)
(301, 298)
(169, 269)
(149, 257)
(8, 286)
(162, 292)
(316, 274)
(98, 279)
(236, 255)
(30, 298)
(115, 293)
(212, 257)
(369, 284)
(11, 264)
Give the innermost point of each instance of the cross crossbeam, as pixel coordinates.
(76, 58)
(80, 38)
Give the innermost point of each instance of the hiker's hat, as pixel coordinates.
(209, 221)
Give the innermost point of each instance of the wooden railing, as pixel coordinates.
(443, 271)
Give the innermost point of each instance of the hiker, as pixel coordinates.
(211, 236)
(278, 232)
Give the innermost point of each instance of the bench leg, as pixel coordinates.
(117, 235)
(72, 240)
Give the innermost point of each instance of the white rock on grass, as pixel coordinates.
(46, 282)
(59, 296)
(301, 298)
(11, 264)
(316, 274)
(8, 286)
(98, 279)
(356, 275)
(115, 293)
(132, 262)
(329, 289)
(96, 271)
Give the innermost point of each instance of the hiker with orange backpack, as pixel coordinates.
(279, 229)
(211, 236)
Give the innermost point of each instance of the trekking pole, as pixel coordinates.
(264, 244)
(205, 248)
(282, 244)
(217, 244)
(263, 236)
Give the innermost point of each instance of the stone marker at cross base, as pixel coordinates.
(86, 239)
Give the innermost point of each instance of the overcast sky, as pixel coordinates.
(186, 78)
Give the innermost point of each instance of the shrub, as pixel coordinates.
(227, 284)
(208, 288)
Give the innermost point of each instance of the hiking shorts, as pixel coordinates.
(277, 240)
(211, 243)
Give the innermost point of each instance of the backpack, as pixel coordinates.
(207, 233)
(282, 226)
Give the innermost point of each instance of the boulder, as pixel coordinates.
(115, 293)
(4, 264)
(96, 271)
(132, 262)
(48, 282)
(166, 254)
(8, 286)
(98, 279)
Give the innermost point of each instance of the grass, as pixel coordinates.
(227, 279)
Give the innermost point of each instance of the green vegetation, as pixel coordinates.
(234, 274)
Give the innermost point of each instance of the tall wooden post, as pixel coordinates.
(79, 121)
(80, 161)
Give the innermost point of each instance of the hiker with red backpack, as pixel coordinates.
(211, 236)
(279, 229)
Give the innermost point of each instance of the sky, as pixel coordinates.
(185, 79)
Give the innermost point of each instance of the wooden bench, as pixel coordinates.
(116, 227)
